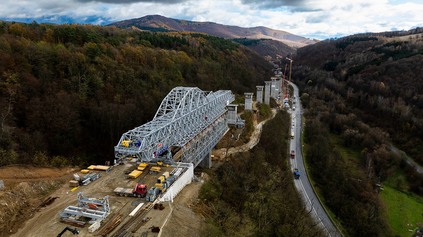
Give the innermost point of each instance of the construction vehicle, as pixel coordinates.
(161, 186)
(139, 190)
(161, 182)
(170, 181)
(163, 177)
(296, 173)
(74, 231)
(152, 194)
(292, 154)
(164, 181)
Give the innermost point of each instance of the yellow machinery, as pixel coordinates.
(142, 166)
(155, 169)
(135, 174)
(161, 179)
(85, 171)
(125, 143)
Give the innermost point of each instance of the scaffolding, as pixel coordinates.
(92, 208)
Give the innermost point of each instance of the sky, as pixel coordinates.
(317, 19)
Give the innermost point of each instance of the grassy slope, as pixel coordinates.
(401, 208)
(404, 210)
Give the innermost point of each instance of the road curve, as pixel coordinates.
(303, 184)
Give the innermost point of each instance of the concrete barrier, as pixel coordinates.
(183, 180)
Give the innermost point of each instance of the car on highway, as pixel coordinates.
(296, 173)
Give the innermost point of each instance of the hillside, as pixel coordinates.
(267, 47)
(380, 76)
(363, 99)
(161, 23)
(68, 92)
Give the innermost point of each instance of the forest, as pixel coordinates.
(364, 103)
(253, 194)
(68, 92)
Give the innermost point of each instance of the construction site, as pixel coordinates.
(138, 194)
(110, 205)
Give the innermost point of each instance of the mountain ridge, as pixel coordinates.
(161, 23)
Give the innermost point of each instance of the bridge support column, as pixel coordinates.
(248, 105)
(267, 92)
(206, 162)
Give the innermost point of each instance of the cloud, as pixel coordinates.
(316, 18)
(134, 1)
(268, 4)
(310, 18)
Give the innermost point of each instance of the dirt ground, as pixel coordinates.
(224, 154)
(25, 188)
(184, 221)
(177, 218)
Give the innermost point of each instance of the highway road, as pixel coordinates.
(303, 183)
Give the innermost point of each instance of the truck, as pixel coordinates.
(152, 194)
(296, 173)
(140, 190)
(292, 154)
(163, 177)
(170, 181)
(161, 186)
(164, 181)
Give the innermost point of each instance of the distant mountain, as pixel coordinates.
(57, 19)
(161, 23)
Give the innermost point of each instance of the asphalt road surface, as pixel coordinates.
(303, 183)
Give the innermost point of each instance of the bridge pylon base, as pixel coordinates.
(206, 162)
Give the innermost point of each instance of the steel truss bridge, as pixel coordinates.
(188, 120)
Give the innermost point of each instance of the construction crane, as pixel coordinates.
(74, 231)
(290, 68)
(285, 83)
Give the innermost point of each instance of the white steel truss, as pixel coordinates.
(188, 117)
